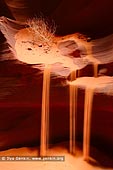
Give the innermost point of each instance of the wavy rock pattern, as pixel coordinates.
(20, 9)
(98, 51)
(71, 16)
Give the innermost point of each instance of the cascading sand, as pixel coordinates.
(45, 112)
(91, 85)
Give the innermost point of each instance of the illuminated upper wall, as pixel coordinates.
(92, 16)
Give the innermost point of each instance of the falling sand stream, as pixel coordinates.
(91, 85)
(88, 102)
(87, 112)
(45, 112)
(89, 93)
(72, 112)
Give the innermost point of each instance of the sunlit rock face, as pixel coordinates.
(69, 48)
(73, 51)
(21, 43)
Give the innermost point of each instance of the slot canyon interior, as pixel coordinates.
(56, 84)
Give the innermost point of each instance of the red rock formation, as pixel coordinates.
(20, 105)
